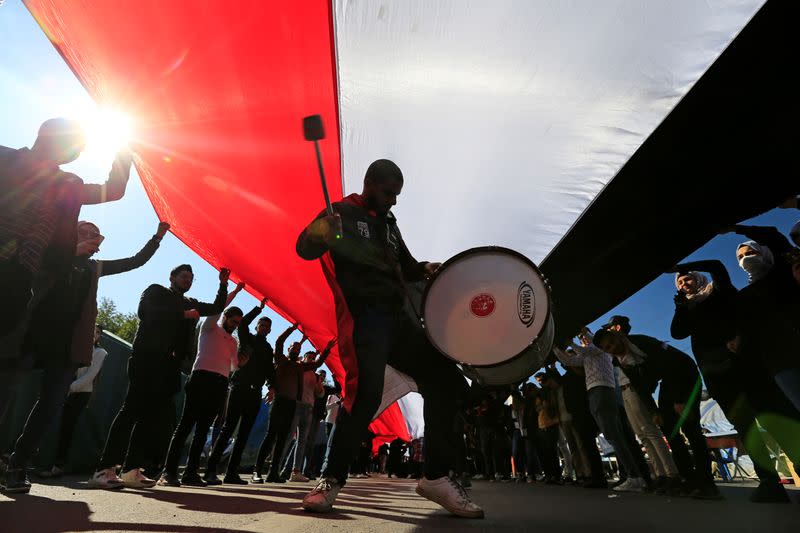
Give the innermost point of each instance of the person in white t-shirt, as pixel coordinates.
(217, 355)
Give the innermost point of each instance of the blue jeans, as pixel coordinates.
(789, 382)
(603, 406)
(302, 422)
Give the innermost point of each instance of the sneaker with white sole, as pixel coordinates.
(107, 479)
(450, 495)
(135, 479)
(632, 484)
(320, 500)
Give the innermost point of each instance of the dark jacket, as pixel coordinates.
(371, 263)
(768, 310)
(675, 370)
(71, 305)
(39, 209)
(710, 323)
(164, 336)
(260, 368)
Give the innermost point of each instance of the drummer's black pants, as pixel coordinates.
(381, 337)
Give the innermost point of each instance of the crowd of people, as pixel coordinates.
(640, 393)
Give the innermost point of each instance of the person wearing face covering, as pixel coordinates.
(768, 309)
(69, 309)
(705, 311)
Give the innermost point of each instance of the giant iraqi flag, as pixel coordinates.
(508, 119)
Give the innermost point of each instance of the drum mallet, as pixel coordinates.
(313, 130)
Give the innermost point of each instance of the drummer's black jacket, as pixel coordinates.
(371, 263)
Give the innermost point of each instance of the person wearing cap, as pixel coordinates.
(601, 385)
(167, 321)
(69, 310)
(676, 376)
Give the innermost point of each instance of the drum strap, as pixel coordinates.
(414, 309)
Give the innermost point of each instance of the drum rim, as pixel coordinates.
(472, 251)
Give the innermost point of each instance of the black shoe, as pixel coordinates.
(15, 481)
(211, 479)
(595, 484)
(257, 478)
(672, 486)
(169, 479)
(275, 478)
(234, 479)
(706, 491)
(193, 479)
(617, 483)
(767, 492)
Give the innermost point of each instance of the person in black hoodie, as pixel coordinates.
(244, 400)
(705, 310)
(768, 309)
(678, 399)
(167, 321)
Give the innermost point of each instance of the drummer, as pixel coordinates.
(367, 265)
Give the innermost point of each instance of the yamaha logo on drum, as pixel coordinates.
(525, 304)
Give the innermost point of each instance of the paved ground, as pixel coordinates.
(383, 505)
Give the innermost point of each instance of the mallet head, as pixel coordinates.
(313, 129)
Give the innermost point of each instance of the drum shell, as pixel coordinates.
(520, 368)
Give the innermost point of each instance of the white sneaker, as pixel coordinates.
(450, 495)
(106, 479)
(135, 479)
(320, 500)
(632, 484)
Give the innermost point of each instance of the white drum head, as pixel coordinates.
(485, 306)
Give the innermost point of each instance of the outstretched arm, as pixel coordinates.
(281, 340)
(206, 309)
(114, 188)
(320, 360)
(118, 266)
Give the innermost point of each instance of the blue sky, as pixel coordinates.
(36, 84)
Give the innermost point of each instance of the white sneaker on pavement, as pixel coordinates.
(135, 479)
(450, 495)
(632, 484)
(320, 500)
(106, 479)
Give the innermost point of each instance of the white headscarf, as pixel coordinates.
(756, 266)
(704, 287)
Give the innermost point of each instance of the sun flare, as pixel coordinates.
(107, 132)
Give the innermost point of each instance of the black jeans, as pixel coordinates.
(244, 402)
(548, 446)
(148, 405)
(56, 379)
(746, 395)
(205, 392)
(587, 432)
(280, 424)
(697, 466)
(381, 338)
(73, 408)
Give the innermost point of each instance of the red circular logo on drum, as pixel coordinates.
(482, 305)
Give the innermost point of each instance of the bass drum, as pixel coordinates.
(489, 309)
